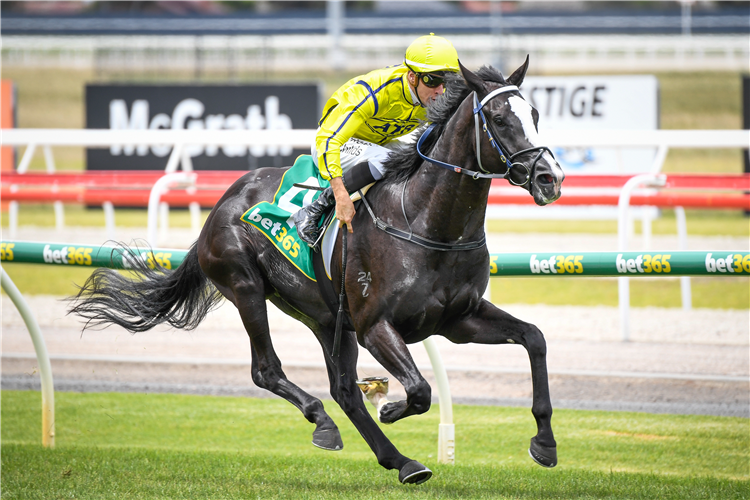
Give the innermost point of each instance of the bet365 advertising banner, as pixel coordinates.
(234, 107)
(570, 264)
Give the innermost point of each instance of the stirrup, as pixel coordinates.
(319, 240)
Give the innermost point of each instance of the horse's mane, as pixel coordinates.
(404, 161)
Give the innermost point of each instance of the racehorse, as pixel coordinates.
(428, 281)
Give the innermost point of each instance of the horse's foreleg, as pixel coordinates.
(491, 325)
(342, 372)
(388, 347)
(267, 373)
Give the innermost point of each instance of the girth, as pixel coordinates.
(418, 240)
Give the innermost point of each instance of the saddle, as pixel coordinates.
(296, 188)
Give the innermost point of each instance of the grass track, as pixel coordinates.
(707, 292)
(102, 473)
(169, 446)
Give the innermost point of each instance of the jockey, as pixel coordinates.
(362, 117)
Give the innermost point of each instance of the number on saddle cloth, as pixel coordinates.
(274, 219)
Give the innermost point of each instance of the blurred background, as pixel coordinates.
(266, 64)
(265, 39)
(52, 50)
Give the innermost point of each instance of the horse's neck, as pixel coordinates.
(450, 206)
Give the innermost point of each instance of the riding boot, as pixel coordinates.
(359, 176)
(306, 219)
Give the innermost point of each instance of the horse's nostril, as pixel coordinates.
(546, 179)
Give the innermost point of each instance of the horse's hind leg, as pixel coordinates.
(326, 434)
(267, 372)
(490, 325)
(342, 372)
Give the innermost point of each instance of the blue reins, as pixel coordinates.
(506, 159)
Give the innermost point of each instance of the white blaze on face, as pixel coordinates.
(522, 110)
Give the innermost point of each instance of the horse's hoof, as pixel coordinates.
(391, 411)
(414, 473)
(543, 455)
(328, 439)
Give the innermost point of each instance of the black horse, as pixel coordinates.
(417, 290)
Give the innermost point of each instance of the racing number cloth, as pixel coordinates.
(377, 107)
(274, 219)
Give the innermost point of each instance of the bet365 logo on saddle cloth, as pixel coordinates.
(274, 219)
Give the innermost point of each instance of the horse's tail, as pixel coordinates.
(182, 297)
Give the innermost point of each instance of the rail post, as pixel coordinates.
(161, 186)
(623, 283)
(45, 368)
(446, 429)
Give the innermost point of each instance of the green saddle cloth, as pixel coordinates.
(274, 219)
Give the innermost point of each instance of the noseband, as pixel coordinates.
(506, 159)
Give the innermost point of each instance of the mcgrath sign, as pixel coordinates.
(234, 107)
(601, 103)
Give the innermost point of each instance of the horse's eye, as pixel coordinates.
(498, 121)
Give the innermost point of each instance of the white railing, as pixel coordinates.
(180, 140)
(301, 138)
(43, 362)
(315, 53)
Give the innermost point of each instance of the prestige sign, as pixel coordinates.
(600, 103)
(202, 107)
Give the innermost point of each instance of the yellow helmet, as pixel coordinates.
(429, 54)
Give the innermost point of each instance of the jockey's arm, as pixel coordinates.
(338, 127)
(355, 106)
(344, 206)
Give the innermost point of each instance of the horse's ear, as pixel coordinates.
(518, 75)
(472, 80)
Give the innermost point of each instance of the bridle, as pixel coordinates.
(508, 160)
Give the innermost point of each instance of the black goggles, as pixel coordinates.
(431, 80)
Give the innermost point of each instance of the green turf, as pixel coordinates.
(169, 446)
(713, 292)
(699, 223)
(708, 292)
(683, 104)
(43, 215)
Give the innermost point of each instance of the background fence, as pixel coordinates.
(269, 55)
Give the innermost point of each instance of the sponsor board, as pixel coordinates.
(600, 103)
(732, 263)
(88, 255)
(199, 107)
(561, 264)
(674, 263)
(81, 256)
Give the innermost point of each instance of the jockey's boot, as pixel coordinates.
(306, 219)
(359, 176)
